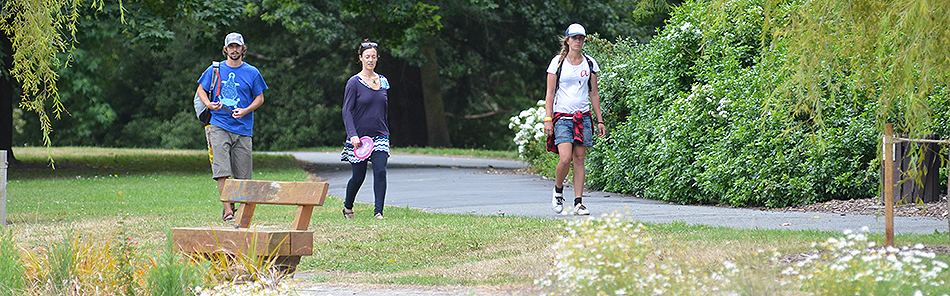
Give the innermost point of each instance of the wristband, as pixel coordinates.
(600, 122)
(548, 119)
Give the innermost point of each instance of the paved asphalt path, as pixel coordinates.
(448, 184)
(461, 185)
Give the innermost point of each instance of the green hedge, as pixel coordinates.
(693, 117)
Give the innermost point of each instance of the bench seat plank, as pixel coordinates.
(234, 241)
(286, 245)
(273, 192)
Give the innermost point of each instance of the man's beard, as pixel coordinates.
(234, 56)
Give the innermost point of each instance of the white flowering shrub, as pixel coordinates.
(851, 265)
(531, 140)
(283, 288)
(528, 126)
(615, 256)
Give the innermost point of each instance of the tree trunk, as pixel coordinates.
(6, 98)
(438, 131)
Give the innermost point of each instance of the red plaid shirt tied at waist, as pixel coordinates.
(578, 128)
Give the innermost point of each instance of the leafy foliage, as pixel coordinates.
(83, 266)
(40, 30)
(170, 276)
(11, 272)
(694, 118)
(894, 51)
(136, 63)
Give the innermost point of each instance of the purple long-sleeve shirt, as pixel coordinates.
(365, 111)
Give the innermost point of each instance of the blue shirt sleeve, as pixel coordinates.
(258, 86)
(205, 79)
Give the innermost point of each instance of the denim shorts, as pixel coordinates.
(564, 131)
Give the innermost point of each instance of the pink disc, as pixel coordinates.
(365, 148)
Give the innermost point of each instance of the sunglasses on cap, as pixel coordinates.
(369, 44)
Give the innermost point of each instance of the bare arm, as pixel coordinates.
(240, 112)
(549, 103)
(203, 94)
(595, 104)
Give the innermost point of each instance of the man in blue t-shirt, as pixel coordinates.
(239, 91)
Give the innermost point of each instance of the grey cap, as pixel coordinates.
(234, 37)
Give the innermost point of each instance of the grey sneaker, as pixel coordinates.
(580, 209)
(557, 202)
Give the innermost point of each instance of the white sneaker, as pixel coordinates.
(580, 209)
(557, 202)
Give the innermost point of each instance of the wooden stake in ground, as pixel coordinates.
(888, 161)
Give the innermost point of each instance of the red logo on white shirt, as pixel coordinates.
(583, 73)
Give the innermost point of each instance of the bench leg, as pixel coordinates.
(287, 264)
(302, 218)
(242, 219)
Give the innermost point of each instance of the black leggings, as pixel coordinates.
(379, 160)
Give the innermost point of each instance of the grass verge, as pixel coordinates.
(612, 255)
(137, 194)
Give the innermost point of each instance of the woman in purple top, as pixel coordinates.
(365, 114)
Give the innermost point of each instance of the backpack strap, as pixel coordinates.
(590, 65)
(557, 83)
(215, 80)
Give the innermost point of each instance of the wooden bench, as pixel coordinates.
(287, 245)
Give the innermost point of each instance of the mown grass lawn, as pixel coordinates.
(104, 194)
(140, 193)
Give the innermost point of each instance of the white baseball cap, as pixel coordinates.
(234, 37)
(574, 30)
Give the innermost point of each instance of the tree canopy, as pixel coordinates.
(769, 103)
(41, 30)
(130, 82)
(894, 51)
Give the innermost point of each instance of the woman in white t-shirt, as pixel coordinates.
(570, 96)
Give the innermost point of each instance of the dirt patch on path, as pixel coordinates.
(873, 206)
